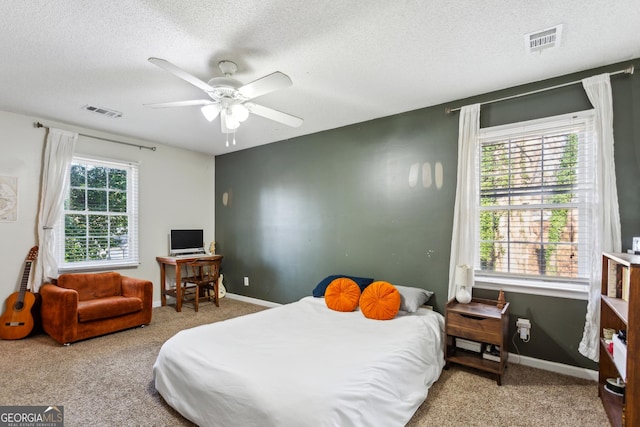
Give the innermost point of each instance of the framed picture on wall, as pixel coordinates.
(8, 198)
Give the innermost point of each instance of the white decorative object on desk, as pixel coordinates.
(464, 283)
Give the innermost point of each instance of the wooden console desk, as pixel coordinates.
(178, 262)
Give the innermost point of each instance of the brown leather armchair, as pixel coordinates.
(81, 306)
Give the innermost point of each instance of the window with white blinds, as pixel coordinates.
(536, 193)
(99, 226)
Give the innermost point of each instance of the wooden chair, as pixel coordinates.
(202, 278)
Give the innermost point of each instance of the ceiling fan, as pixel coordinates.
(229, 98)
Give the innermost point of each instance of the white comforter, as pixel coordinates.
(302, 364)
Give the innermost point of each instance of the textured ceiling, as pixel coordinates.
(350, 61)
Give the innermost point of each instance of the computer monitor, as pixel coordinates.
(183, 242)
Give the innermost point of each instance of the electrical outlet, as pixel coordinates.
(523, 326)
(246, 281)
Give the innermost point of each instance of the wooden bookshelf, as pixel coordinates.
(620, 314)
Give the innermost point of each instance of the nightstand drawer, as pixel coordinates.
(477, 328)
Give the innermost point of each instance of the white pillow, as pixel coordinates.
(412, 298)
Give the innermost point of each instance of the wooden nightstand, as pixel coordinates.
(481, 321)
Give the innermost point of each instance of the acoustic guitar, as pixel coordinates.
(17, 320)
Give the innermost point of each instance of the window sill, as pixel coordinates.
(534, 287)
(98, 267)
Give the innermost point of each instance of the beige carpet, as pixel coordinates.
(107, 381)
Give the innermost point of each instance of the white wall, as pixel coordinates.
(176, 191)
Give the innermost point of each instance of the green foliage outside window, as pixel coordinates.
(566, 178)
(493, 158)
(96, 221)
(516, 175)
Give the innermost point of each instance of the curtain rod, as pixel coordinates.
(40, 125)
(628, 70)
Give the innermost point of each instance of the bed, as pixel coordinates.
(302, 364)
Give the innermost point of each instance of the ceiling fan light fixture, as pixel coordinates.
(240, 112)
(211, 111)
(230, 121)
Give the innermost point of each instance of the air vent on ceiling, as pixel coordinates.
(538, 41)
(103, 111)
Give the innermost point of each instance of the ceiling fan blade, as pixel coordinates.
(266, 84)
(180, 73)
(189, 103)
(275, 115)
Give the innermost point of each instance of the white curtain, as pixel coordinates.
(606, 215)
(465, 215)
(55, 173)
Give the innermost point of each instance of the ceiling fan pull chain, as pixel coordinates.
(227, 140)
(234, 137)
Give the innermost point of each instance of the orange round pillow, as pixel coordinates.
(342, 294)
(380, 301)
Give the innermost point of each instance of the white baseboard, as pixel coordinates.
(559, 368)
(234, 296)
(252, 300)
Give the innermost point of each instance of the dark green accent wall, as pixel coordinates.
(342, 202)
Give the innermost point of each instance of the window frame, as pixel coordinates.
(574, 288)
(132, 214)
